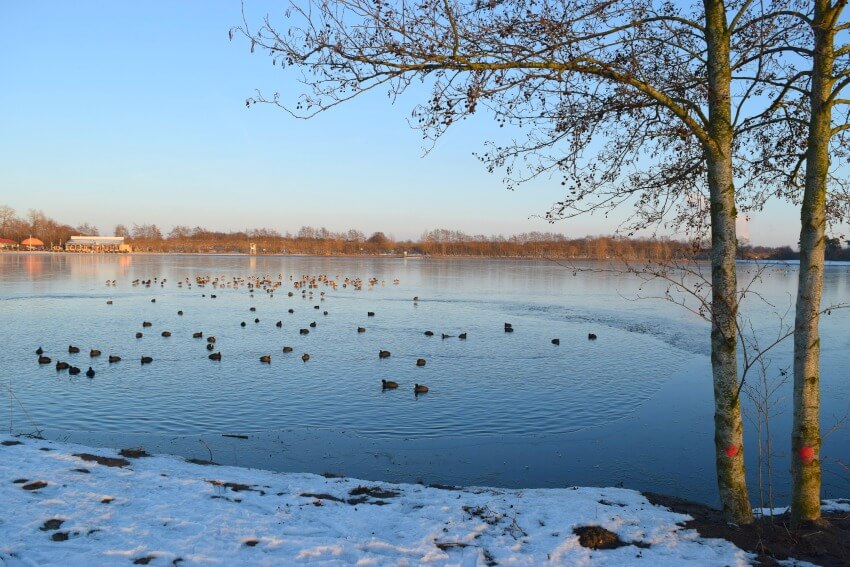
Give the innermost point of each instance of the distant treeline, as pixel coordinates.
(440, 242)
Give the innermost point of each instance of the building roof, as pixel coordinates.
(32, 242)
(7, 241)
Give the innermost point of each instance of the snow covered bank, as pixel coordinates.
(62, 504)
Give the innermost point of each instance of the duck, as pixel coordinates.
(180, 312)
(94, 352)
(509, 328)
(462, 336)
(389, 385)
(198, 335)
(324, 313)
(252, 309)
(305, 357)
(361, 329)
(370, 314)
(242, 324)
(429, 333)
(62, 366)
(591, 337)
(73, 350)
(73, 371)
(420, 362)
(266, 358)
(313, 324)
(279, 324)
(90, 372)
(210, 340)
(139, 335)
(256, 320)
(383, 354)
(287, 349)
(147, 324)
(153, 300)
(166, 333)
(445, 336)
(420, 389)
(215, 356)
(291, 311)
(304, 331)
(39, 351)
(109, 302)
(210, 346)
(556, 341)
(113, 359)
(147, 359)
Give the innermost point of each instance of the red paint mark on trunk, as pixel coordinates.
(732, 451)
(807, 454)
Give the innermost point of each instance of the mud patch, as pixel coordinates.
(136, 453)
(373, 492)
(597, 537)
(237, 486)
(322, 496)
(105, 461)
(51, 525)
(771, 539)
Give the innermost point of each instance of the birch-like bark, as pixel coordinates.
(805, 435)
(728, 423)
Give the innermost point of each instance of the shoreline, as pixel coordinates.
(552, 259)
(75, 504)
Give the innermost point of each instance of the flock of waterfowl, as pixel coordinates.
(267, 285)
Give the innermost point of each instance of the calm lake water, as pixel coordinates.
(511, 409)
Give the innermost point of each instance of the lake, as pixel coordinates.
(631, 408)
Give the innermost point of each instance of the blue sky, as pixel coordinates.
(119, 112)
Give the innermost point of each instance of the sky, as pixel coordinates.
(120, 112)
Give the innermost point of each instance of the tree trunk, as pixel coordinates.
(805, 435)
(728, 425)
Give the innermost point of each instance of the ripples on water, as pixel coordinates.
(493, 383)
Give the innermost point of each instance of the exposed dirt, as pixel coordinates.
(136, 453)
(826, 544)
(35, 485)
(236, 486)
(52, 524)
(201, 462)
(105, 461)
(597, 537)
(322, 496)
(373, 492)
(10, 443)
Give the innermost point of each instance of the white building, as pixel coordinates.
(96, 244)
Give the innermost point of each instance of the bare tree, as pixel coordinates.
(814, 115)
(88, 229)
(644, 78)
(7, 218)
